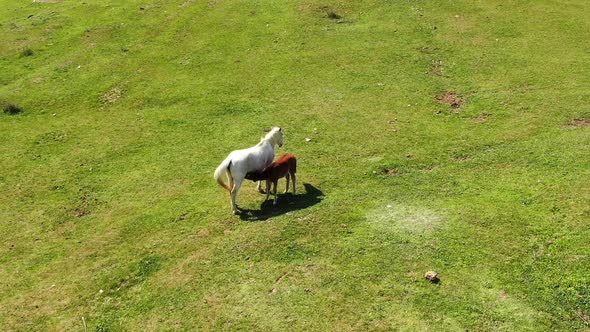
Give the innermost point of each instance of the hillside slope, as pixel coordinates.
(445, 135)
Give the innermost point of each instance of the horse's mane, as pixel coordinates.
(269, 136)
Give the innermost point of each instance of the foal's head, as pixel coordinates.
(275, 135)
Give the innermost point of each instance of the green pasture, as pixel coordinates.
(439, 135)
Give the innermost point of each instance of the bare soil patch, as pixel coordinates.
(410, 219)
(436, 67)
(84, 205)
(460, 158)
(579, 122)
(111, 96)
(389, 171)
(451, 98)
(481, 118)
(186, 3)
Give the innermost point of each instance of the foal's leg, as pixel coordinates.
(234, 194)
(274, 187)
(293, 178)
(267, 190)
(287, 186)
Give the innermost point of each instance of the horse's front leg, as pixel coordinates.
(274, 187)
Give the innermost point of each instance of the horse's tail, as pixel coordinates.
(224, 166)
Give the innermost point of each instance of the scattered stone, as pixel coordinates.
(432, 277)
(307, 139)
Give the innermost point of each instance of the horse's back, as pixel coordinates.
(252, 159)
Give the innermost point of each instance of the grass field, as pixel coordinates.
(445, 135)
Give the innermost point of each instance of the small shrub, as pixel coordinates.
(11, 109)
(26, 52)
(332, 15)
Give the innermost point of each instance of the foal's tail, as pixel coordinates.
(224, 166)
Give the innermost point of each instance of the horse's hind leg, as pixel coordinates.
(234, 194)
(230, 182)
(259, 187)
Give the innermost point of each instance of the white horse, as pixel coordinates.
(240, 162)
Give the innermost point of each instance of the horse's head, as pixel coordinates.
(276, 136)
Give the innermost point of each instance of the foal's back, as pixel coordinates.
(285, 164)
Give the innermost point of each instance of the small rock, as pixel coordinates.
(432, 276)
(100, 291)
(307, 139)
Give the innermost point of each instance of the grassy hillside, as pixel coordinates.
(445, 135)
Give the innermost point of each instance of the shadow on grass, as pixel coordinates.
(285, 203)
